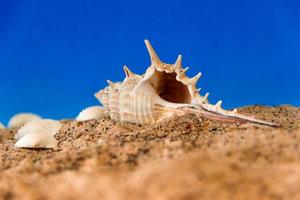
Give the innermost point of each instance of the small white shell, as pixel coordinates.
(93, 112)
(41, 126)
(37, 140)
(21, 119)
(2, 126)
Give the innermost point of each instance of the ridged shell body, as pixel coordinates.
(21, 119)
(93, 112)
(42, 126)
(164, 90)
(136, 108)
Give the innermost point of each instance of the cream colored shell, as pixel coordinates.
(38, 134)
(37, 140)
(164, 90)
(21, 119)
(44, 126)
(2, 126)
(93, 112)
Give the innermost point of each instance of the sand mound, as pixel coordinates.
(179, 158)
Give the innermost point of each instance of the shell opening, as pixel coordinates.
(170, 89)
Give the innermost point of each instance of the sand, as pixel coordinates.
(179, 158)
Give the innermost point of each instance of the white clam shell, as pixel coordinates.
(21, 119)
(37, 140)
(2, 126)
(41, 126)
(93, 112)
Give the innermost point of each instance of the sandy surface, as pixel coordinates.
(179, 158)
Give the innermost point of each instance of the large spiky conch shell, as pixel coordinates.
(164, 90)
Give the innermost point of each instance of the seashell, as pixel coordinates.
(93, 112)
(42, 126)
(21, 119)
(2, 126)
(37, 140)
(164, 90)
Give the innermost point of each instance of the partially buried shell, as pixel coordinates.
(37, 140)
(2, 126)
(164, 90)
(44, 126)
(21, 119)
(93, 112)
(38, 134)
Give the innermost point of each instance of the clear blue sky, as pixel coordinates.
(54, 54)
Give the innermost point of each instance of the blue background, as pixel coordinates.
(54, 55)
